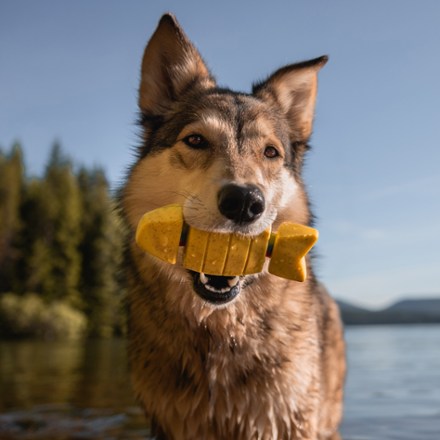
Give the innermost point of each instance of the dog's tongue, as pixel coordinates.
(218, 283)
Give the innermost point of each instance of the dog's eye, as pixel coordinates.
(271, 152)
(196, 141)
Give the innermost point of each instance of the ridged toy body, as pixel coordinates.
(160, 233)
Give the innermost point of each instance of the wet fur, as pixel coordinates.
(270, 364)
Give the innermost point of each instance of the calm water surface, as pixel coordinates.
(77, 390)
(393, 386)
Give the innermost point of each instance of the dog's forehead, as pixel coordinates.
(238, 114)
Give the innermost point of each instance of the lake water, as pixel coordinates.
(393, 386)
(77, 390)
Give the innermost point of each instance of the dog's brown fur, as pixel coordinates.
(269, 364)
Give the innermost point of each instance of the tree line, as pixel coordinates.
(61, 245)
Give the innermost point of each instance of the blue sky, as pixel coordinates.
(69, 71)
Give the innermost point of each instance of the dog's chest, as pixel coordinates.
(223, 383)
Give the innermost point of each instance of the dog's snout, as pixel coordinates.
(242, 204)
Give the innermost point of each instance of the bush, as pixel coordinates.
(28, 316)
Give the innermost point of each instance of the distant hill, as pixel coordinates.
(407, 311)
(428, 305)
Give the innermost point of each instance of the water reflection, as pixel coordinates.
(54, 390)
(38, 372)
(80, 390)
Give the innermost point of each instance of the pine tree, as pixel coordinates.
(65, 221)
(101, 249)
(11, 184)
(36, 239)
(52, 215)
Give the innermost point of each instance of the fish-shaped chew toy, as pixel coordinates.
(162, 231)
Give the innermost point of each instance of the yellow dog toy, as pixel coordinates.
(162, 231)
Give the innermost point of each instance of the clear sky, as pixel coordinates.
(69, 71)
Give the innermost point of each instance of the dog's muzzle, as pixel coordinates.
(215, 289)
(242, 205)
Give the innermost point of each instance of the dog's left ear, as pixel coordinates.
(294, 89)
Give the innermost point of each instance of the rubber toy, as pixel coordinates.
(163, 231)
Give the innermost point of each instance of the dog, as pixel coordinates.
(213, 357)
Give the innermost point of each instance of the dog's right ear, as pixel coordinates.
(171, 65)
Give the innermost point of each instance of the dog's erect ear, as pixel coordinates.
(170, 65)
(294, 89)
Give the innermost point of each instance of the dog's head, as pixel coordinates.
(232, 160)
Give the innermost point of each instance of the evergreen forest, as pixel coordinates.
(61, 245)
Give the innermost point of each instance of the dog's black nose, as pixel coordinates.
(242, 204)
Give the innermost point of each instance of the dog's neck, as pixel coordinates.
(263, 298)
(228, 349)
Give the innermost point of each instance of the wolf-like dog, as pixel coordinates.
(213, 357)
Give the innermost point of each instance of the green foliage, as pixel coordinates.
(64, 218)
(11, 186)
(100, 249)
(59, 238)
(28, 316)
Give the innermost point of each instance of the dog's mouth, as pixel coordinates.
(215, 289)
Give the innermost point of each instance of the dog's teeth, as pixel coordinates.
(233, 281)
(203, 278)
(215, 290)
